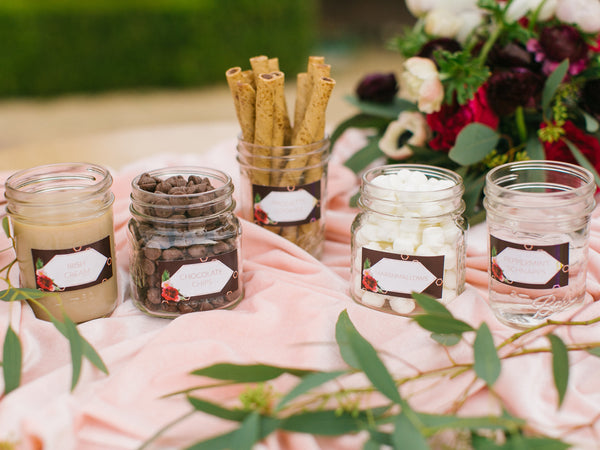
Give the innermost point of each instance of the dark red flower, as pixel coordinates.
(369, 283)
(260, 216)
(170, 294)
(510, 55)
(586, 143)
(378, 88)
(451, 119)
(512, 88)
(591, 96)
(447, 44)
(44, 283)
(557, 43)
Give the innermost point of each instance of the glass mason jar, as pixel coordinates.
(538, 218)
(284, 189)
(185, 242)
(62, 220)
(409, 237)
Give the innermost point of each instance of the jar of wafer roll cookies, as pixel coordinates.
(283, 163)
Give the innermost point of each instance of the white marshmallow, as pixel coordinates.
(373, 299)
(424, 250)
(406, 243)
(450, 279)
(447, 296)
(402, 305)
(433, 237)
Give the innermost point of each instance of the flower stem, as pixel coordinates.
(490, 43)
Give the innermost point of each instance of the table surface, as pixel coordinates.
(287, 318)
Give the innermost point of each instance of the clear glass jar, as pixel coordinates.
(62, 220)
(409, 237)
(284, 190)
(185, 242)
(538, 218)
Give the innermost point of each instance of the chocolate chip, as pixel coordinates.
(163, 187)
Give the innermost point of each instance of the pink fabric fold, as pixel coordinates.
(286, 318)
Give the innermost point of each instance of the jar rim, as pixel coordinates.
(83, 180)
(496, 181)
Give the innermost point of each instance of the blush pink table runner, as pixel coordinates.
(287, 318)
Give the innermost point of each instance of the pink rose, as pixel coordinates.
(421, 84)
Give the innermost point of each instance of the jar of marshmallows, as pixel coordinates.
(409, 237)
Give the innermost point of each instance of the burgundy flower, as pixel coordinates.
(512, 88)
(44, 283)
(260, 216)
(369, 283)
(510, 55)
(378, 88)
(586, 143)
(557, 43)
(448, 44)
(170, 294)
(591, 95)
(451, 119)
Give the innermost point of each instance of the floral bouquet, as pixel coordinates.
(486, 82)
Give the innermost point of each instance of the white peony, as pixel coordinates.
(584, 13)
(442, 23)
(420, 83)
(519, 8)
(420, 8)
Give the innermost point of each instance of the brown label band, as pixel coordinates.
(73, 268)
(399, 275)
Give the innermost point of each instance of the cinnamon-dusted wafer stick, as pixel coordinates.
(302, 97)
(234, 75)
(309, 131)
(273, 64)
(263, 129)
(260, 64)
(248, 77)
(247, 104)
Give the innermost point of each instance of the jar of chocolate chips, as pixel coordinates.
(184, 242)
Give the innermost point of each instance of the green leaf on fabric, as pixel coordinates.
(447, 340)
(591, 124)
(517, 442)
(534, 148)
(92, 355)
(307, 383)
(362, 121)
(365, 156)
(473, 143)
(248, 433)
(227, 440)
(442, 325)
(406, 435)
(324, 423)
(594, 351)
(246, 373)
(12, 360)
(552, 83)
(582, 160)
(236, 415)
(6, 226)
(430, 305)
(385, 110)
(365, 357)
(74, 338)
(487, 364)
(17, 294)
(379, 438)
(471, 423)
(560, 366)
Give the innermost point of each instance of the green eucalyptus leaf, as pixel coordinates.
(17, 294)
(379, 438)
(248, 433)
(591, 124)
(362, 121)
(307, 383)
(74, 338)
(324, 423)
(430, 305)
(246, 373)
(472, 195)
(473, 143)
(12, 359)
(236, 415)
(487, 364)
(365, 356)
(6, 226)
(471, 423)
(447, 340)
(92, 356)
(560, 366)
(442, 325)
(365, 156)
(227, 440)
(582, 160)
(594, 351)
(406, 435)
(553, 82)
(385, 110)
(534, 148)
